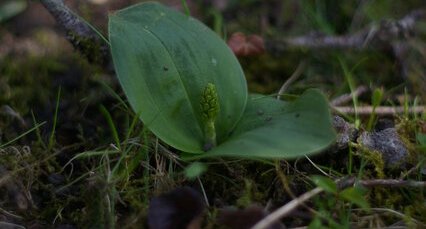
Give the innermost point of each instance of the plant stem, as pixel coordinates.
(210, 135)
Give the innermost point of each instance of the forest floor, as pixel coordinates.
(65, 125)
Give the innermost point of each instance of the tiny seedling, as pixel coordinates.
(190, 91)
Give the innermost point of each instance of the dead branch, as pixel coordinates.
(348, 97)
(378, 35)
(382, 110)
(391, 183)
(78, 32)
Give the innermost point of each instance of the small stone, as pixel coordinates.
(388, 143)
(346, 132)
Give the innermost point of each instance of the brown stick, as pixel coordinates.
(286, 209)
(348, 97)
(379, 35)
(383, 110)
(391, 183)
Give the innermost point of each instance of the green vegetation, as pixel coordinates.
(142, 49)
(77, 151)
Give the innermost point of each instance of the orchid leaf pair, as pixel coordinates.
(190, 91)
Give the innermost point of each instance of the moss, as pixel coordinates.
(97, 207)
(407, 129)
(416, 210)
(90, 47)
(374, 158)
(26, 81)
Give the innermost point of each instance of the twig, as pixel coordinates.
(10, 214)
(342, 184)
(383, 110)
(317, 167)
(376, 36)
(348, 97)
(286, 209)
(293, 77)
(393, 183)
(206, 199)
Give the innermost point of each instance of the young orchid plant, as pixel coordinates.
(190, 91)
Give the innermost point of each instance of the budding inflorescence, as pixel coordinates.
(209, 104)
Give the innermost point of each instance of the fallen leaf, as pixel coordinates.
(243, 45)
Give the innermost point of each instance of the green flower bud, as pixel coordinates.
(209, 104)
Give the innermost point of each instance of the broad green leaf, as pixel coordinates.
(271, 128)
(164, 60)
(355, 195)
(325, 183)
